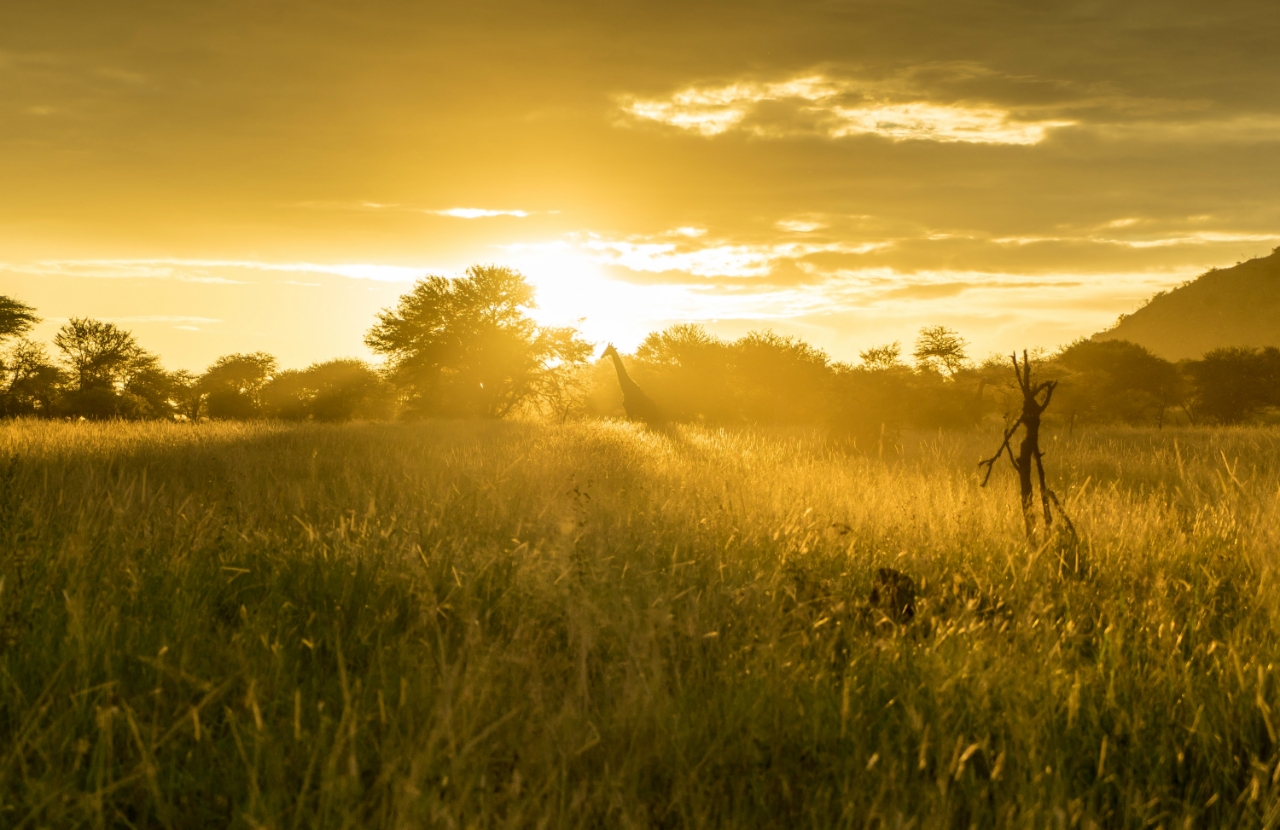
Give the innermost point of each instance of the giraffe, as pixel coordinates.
(639, 406)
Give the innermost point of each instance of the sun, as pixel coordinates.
(574, 289)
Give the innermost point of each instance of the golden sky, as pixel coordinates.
(236, 176)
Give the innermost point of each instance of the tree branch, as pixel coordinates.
(1050, 385)
(1004, 445)
(1063, 514)
(1017, 372)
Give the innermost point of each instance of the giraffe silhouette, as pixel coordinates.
(639, 406)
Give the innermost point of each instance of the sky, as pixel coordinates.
(268, 175)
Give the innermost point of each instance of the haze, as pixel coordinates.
(242, 176)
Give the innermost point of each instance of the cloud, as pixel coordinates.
(914, 297)
(166, 268)
(479, 213)
(692, 254)
(1204, 238)
(798, 225)
(163, 318)
(182, 322)
(163, 269)
(1207, 238)
(813, 251)
(818, 105)
(454, 212)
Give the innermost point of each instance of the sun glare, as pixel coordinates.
(574, 290)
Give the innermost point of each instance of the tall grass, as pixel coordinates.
(464, 624)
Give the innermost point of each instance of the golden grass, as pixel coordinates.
(475, 624)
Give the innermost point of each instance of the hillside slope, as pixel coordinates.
(1237, 306)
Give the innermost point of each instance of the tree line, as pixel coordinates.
(467, 348)
(99, 371)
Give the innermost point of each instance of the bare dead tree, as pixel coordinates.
(1029, 451)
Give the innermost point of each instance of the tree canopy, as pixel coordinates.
(690, 370)
(940, 349)
(111, 375)
(467, 347)
(1115, 380)
(234, 384)
(98, 354)
(336, 390)
(888, 356)
(15, 317)
(1233, 383)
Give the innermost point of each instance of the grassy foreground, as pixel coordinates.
(454, 624)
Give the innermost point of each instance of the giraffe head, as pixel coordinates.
(609, 351)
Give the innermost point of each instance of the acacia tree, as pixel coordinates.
(781, 379)
(188, 394)
(337, 390)
(111, 376)
(234, 384)
(881, 358)
(99, 354)
(28, 379)
(466, 347)
(16, 317)
(154, 392)
(1109, 380)
(940, 349)
(689, 369)
(1233, 383)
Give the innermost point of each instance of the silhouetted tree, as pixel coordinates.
(1232, 384)
(234, 383)
(940, 349)
(690, 371)
(107, 370)
(763, 377)
(1115, 380)
(98, 354)
(16, 317)
(154, 391)
(188, 394)
(781, 379)
(947, 401)
(337, 390)
(31, 380)
(24, 365)
(347, 389)
(287, 396)
(1029, 453)
(466, 346)
(882, 357)
(871, 404)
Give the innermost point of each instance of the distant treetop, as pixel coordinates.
(15, 317)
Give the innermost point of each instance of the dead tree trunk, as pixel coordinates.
(1029, 452)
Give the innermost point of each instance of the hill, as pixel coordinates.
(1237, 306)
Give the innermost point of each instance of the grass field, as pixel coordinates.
(514, 624)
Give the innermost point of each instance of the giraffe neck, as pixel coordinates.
(624, 380)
